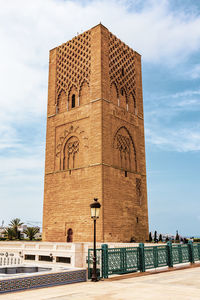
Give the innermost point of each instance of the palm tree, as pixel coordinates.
(9, 233)
(31, 232)
(15, 224)
(160, 238)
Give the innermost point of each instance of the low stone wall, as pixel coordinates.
(12, 252)
(30, 282)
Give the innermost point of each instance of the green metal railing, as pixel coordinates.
(125, 260)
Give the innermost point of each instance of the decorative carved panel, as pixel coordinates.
(71, 148)
(73, 63)
(124, 150)
(122, 70)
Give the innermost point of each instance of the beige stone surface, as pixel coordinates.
(181, 284)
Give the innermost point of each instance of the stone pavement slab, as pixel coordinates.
(180, 284)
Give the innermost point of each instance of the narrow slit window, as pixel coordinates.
(122, 92)
(125, 173)
(73, 101)
(137, 220)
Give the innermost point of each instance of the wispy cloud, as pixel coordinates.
(175, 139)
(194, 73)
(167, 126)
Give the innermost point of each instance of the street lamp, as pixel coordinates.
(95, 209)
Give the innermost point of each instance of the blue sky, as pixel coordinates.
(167, 35)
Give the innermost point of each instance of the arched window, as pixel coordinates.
(124, 150)
(61, 102)
(71, 150)
(73, 101)
(114, 97)
(84, 94)
(70, 235)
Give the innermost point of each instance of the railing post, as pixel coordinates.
(122, 259)
(155, 256)
(169, 255)
(104, 248)
(141, 258)
(191, 252)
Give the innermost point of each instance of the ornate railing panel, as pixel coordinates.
(149, 257)
(125, 260)
(132, 259)
(196, 248)
(162, 256)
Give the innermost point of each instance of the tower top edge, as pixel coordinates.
(90, 30)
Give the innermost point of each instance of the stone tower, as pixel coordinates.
(95, 144)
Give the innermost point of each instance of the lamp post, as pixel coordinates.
(95, 209)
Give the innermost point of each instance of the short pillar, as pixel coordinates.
(104, 250)
(141, 258)
(169, 255)
(191, 252)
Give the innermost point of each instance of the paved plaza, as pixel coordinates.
(180, 284)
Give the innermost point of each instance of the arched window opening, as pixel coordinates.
(125, 154)
(71, 150)
(61, 102)
(137, 219)
(73, 101)
(69, 235)
(114, 97)
(122, 91)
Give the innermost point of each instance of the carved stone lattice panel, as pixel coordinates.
(121, 65)
(71, 148)
(73, 64)
(124, 150)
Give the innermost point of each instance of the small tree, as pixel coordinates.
(177, 237)
(31, 232)
(155, 236)
(9, 233)
(160, 238)
(150, 237)
(15, 224)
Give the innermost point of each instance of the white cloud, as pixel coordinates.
(175, 139)
(194, 73)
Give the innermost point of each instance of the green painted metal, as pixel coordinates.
(149, 258)
(196, 249)
(191, 252)
(169, 254)
(162, 256)
(141, 258)
(133, 259)
(104, 248)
